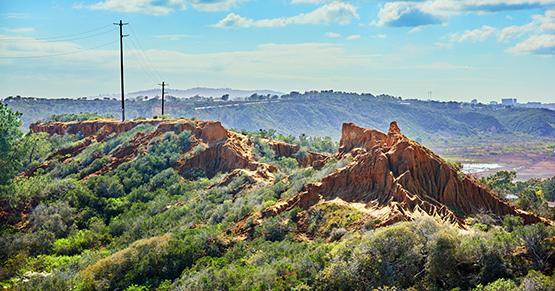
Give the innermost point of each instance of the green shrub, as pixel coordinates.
(149, 262)
(74, 117)
(498, 285)
(538, 282)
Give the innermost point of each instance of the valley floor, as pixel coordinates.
(530, 159)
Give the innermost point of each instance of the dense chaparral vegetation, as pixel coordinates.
(144, 226)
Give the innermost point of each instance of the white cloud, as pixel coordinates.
(159, 7)
(539, 35)
(15, 15)
(333, 35)
(16, 47)
(537, 44)
(408, 14)
(290, 60)
(335, 12)
(137, 6)
(20, 29)
(540, 24)
(535, 37)
(428, 12)
(214, 5)
(443, 45)
(474, 35)
(172, 37)
(306, 1)
(353, 37)
(514, 31)
(500, 5)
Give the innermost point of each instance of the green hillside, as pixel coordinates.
(320, 114)
(84, 221)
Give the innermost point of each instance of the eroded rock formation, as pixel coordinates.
(304, 158)
(397, 177)
(393, 176)
(213, 148)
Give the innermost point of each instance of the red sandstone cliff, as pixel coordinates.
(399, 177)
(214, 149)
(388, 172)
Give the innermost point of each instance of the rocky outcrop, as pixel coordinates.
(390, 171)
(219, 150)
(304, 158)
(213, 148)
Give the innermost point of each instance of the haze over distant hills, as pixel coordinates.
(317, 113)
(191, 92)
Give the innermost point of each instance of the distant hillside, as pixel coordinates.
(198, 91)
(319, 114)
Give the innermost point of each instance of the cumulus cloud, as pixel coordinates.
(335, 12)
(541, 23)
(427, 12)
(539, 35)
(535, 37)
(474, 35)
(514, 31)
(159, 7)
(408, 14)
(537, 44)
(353, 37)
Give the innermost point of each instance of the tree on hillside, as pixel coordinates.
(549, 189)
(9, 136)
(18, 151)
(502, 182)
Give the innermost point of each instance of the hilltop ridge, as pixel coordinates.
(320, 114)
(388, 172)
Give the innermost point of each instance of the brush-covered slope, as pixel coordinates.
(177, 204)
(387, 172)
(209, 147)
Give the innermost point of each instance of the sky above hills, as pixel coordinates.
(458, 49)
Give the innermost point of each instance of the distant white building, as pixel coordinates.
(509, 102)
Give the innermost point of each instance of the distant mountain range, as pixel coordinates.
(198, 91)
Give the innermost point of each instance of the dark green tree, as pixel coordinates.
(10, 134)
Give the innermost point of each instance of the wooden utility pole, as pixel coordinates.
(121, 36)
(164, 84)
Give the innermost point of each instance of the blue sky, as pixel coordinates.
(458, 49)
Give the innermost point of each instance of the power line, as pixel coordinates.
(62, 37)
(134, 36)
(149, 74)
(105, 31)
(58, 54)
